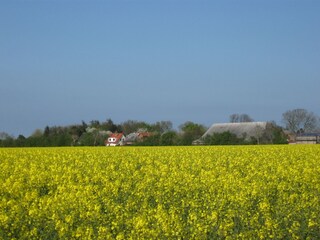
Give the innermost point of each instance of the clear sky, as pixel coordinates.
(62, 62)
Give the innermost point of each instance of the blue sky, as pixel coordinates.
(62, 62)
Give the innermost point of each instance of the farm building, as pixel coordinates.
(308, 138)
(261, 131)
(135, 137)
(115, 139)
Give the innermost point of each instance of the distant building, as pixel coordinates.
(260, 131)
(198, 142)
(115, 139)
(291, 137)
(308, 138)
(135, 137)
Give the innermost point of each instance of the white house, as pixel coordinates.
(115, 139)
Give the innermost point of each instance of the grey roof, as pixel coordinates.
(308, 135)
(248, 129)
(131, 137)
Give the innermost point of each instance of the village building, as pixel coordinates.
(135, 137)
(308, 138)
(260, 131)
(115, 139)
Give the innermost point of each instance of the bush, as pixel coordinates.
(225, 138)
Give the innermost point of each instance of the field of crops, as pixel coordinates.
(240, 192)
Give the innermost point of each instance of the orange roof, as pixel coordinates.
(145, 134)
(116, 135)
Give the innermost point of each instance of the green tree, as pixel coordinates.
(20, 141)
(169, 138)
(95, 124)
(150, 141)
(108, 125)
(86, 139)
(63, 139)
(131, 126)
(6, 140)
(278, 136)
(37, 133)
(75, 132)
(46, 131)
(190, 131)
(224, 138)
(162, 126)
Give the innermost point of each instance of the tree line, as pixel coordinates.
(95, 132)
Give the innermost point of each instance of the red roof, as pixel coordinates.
(145, 134)
(117, 136)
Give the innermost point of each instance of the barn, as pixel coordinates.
(261, 131)
(308, 138)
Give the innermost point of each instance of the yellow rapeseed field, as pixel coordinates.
(229, 192)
